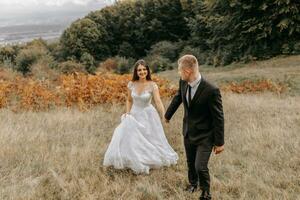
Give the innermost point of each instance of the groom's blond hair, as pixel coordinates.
(188, 61)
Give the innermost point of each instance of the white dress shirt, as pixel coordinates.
(194, 86)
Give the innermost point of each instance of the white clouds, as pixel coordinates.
(20, 7)
(65, 2)
(32, 3)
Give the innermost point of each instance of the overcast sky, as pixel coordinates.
(42, 12)
(9, 7)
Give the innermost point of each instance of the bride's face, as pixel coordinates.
(142, 72)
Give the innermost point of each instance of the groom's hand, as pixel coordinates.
(218, 149)
(167, 121)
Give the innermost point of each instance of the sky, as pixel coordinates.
(18, 7)
(22, 12)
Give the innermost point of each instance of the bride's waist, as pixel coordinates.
(139, 107)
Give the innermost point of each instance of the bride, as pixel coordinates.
(139, 141)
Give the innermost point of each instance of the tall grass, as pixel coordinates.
(58, 154)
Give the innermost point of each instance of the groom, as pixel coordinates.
(203, 122)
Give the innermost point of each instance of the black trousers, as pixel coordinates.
(197, 161)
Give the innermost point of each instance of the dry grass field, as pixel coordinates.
(58, 154)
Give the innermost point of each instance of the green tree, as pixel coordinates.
(84, 36)
(240, 29)
(133, 24)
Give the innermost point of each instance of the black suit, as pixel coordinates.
(203, 127)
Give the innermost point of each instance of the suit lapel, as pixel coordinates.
(198, 91)
(184, 88)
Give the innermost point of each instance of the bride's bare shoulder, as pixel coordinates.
(130, 84)
(153, 84)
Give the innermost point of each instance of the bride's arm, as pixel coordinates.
(128, 101)
(158, 102)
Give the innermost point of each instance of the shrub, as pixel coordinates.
(26, 58)
(200, 55)
(109, 64)
(89, 62)
(158, 63)
(8, 54)
(296, 48)
(41, 70)
(165, 49)
(55, 49)
(124, 65)
(71, 66)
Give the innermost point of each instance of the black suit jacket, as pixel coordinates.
(203, 120)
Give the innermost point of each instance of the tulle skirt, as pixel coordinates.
(139, 142)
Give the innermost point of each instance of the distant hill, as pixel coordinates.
(46, 23)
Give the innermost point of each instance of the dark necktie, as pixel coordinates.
(189, 95)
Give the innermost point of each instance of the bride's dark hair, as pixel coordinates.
(135, 76)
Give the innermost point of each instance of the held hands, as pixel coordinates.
(163, 118)
(218, 149)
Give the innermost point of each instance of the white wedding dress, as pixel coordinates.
(139, 141)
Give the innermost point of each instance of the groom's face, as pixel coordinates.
(184, 73)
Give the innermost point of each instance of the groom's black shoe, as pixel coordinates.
(205, 195)
(191, 188)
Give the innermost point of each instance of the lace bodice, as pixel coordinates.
(142, 99)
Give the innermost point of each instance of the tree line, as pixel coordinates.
(217, 32)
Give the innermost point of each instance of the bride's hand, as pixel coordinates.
(124, 115)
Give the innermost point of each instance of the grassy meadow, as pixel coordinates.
(58, 154)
